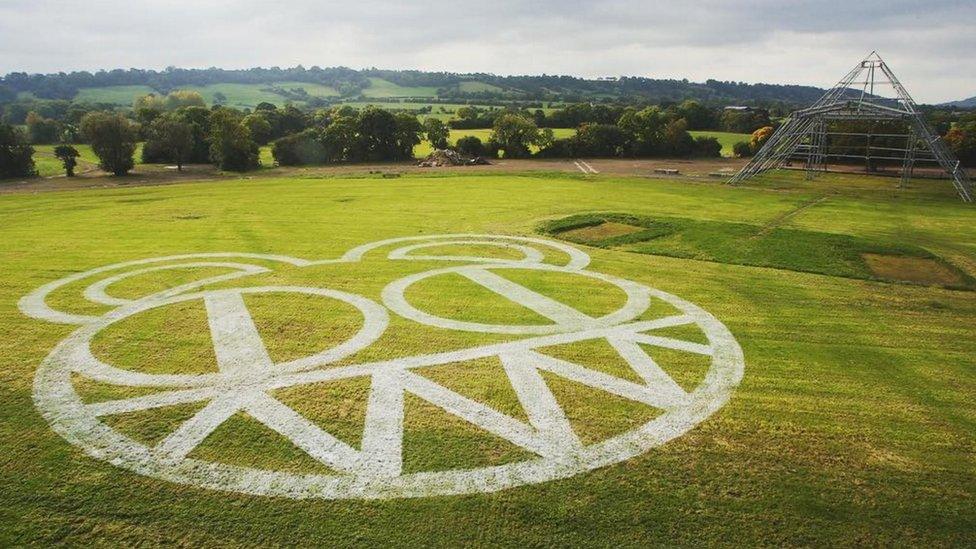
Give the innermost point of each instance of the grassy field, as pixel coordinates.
(249, 95)
(379, 87)
(47, 164)
(116, 95)
(727, 139)
(853, 423)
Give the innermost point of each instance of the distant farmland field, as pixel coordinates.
(384, 88)
(116, 95)
(238, 95)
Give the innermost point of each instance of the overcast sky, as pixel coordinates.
(930, 44)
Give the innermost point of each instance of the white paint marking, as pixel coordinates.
(191, 433)
(669, 343)
(580, 167)
(382, 445)
(656, 379)
(236, 340)
(638, 300)
(559, 313)
(34, 304)
(489, 419)
(246, 376)
(530, 255)
(97, 291)
(577, 258)
(465, 355)
(149, 402)
(540, 405)
(588, 167)
(303, 433)
(608, 383)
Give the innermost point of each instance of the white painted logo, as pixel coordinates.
(247, 376)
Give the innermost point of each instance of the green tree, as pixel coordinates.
(41, 130)
(259, 127)
(173, 137)
(299, 149)
(677, 140)
(470, 145)
(199, 120)
(339, 140)
(231, 145)
(68, 156)
(377, 129)
(112, 138)
(179, 99)
(962, 141)
(744, 121)
(408, 132)
(699, 117)
(436, 132)
(759, 138)
(16, 155)
(514, 134)
(742, 149)
(644, 130)
(707, 147)
(600, 140)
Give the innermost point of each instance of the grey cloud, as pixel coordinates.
(798, 41)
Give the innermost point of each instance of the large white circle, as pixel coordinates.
(56, 399)
(80, 423)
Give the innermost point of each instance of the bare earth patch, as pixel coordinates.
(911, 269)
(608, 229)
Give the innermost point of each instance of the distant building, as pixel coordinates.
(740, 108)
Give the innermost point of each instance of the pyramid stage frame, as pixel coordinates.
(841, 126)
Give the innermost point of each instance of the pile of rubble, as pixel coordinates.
(448, 157)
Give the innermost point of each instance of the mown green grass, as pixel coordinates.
(727, 139)
(745, 244)
(853, 424)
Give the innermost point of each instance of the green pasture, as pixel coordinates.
(115, 95)
(379, 87)
(47, 164)
(727, 139)
(853, 423)
(249, 95)
(238, 95)
(474, 86)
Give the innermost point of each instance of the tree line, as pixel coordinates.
(351, 83)
(179, 128)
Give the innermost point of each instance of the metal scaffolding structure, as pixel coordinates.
(823, 131)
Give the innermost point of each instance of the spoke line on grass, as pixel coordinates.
(148, 402)
(303, 433)
(193, 431)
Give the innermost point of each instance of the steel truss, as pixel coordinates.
(806, 136)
